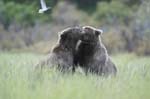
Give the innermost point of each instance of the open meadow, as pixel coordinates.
(18, 80)
(30, 29)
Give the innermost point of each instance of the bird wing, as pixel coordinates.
(43, 4)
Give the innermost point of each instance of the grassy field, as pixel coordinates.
(19, 81)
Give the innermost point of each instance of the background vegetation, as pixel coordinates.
(125, 23)
(24, 31)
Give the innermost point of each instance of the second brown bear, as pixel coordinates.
(92, 55)
(62, 54)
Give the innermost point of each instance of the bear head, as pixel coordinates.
(69, 37)
(90, 34)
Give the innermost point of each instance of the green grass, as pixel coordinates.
(19, 81)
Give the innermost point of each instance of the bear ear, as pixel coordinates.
(63, 36)
(98, 32)
(65, 31)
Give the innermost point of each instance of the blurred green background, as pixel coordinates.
(24, 33)
(125, 23)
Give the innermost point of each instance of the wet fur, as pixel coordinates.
(92, 55)
(62, 54)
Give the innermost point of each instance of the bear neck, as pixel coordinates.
(89, 48)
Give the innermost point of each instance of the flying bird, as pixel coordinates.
(43, 7)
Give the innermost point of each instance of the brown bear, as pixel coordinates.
(63, 53)
(92, 55)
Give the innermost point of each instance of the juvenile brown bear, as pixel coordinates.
(62, 54)
(92, 55)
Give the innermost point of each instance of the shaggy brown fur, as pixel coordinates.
(62, 54)
(92, 54)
